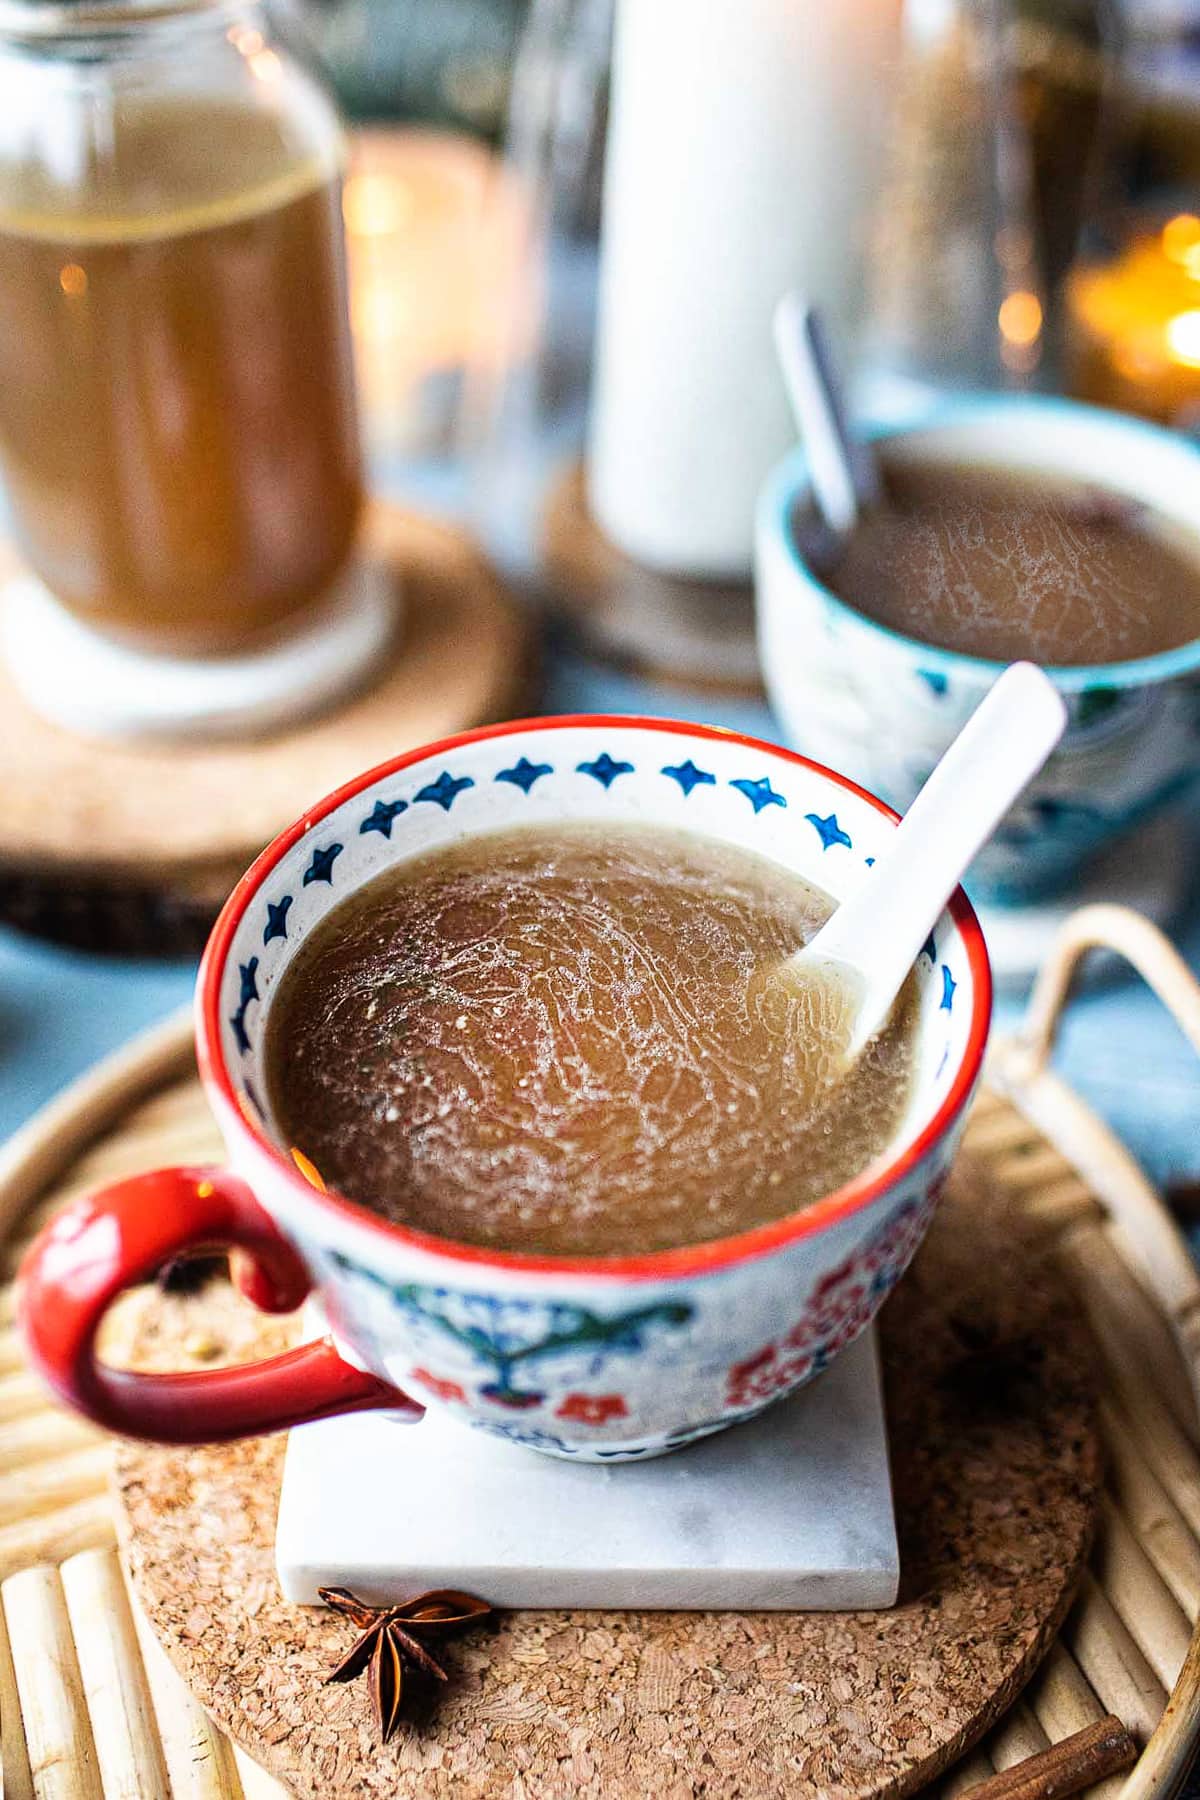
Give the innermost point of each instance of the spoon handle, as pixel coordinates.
(880, 929)
(844, 473)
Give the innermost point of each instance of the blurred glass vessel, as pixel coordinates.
(686, 165)
(1134, 299)
(1001, 119)
(178, 433)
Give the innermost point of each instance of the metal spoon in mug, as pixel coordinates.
(843, 470)
(873, 939)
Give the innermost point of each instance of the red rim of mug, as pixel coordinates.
(694, 1259)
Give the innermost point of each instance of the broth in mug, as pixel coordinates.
(574, 1041)
(177, 422)
(1009, 566)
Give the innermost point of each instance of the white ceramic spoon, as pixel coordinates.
(872, 940)
(844, 473)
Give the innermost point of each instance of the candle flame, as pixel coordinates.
(1020, 318)
(1183, 337)
(265, 66)
(245, 40)
(374, 205)
(1181, 241)
(72, 279)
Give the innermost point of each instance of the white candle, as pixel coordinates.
(742, 156)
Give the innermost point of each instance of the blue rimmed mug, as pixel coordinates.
(596, 1358)
(884, 707)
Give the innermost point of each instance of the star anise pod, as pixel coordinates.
(390, 1642)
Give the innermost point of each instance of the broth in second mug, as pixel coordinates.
(177, 423)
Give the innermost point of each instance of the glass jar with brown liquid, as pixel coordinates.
(178, 436)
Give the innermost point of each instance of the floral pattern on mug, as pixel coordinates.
(592, 1409)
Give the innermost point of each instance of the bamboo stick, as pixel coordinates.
(34, 1156)
(1152, 1517)
(16, 1781)
(53, 1432)
(1137, 1343)
(968, 1772)
(21, 1394)
(1061, 1696)
(1148, 1237)
(1168, 1453)
(62, 1755)
(1000, 1132)
(1141, 1597)
(1030, 1166)
(134, 1151)
(256, 1783)
(29, 1493)
(83, 1525)
(1063, 1203)
(1063, 1703)
(199, 1758)
(1016, 1738)
(1114, 1665)
(114, 1682)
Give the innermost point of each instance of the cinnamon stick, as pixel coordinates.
(1066, 1768)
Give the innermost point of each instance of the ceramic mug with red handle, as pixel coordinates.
(595, 1358)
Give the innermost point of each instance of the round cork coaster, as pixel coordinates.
(134, 846)
(698, 633)
(996, 1467)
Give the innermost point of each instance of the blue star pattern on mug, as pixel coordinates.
(248, 992)
(321, 866)
(759, 793)
(689, 776)
(829, 831)
(445, 790)
(383, 816)
(524, 773)
(276, 925)
(603, 769)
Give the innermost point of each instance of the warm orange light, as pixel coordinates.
(1183, 336)
(374, 205)
(308, 1169)
(1181, 238)
(245, 39)
(73, 281)
(1020, 318)
(265, 65)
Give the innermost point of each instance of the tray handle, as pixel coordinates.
(1126, 932)
(1020, 1067)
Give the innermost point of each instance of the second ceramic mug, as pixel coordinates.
(591, 1357)
(885, 707)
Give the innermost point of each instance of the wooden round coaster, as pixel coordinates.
(124, 846)
(696, 632)
(996, 1467)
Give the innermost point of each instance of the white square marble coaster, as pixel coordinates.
(792, 1511)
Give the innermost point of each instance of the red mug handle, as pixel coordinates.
(123, 1235)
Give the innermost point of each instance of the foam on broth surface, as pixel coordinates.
(575, 1041)
(1007, 566)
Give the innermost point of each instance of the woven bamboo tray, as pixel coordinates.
(91, 1710)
